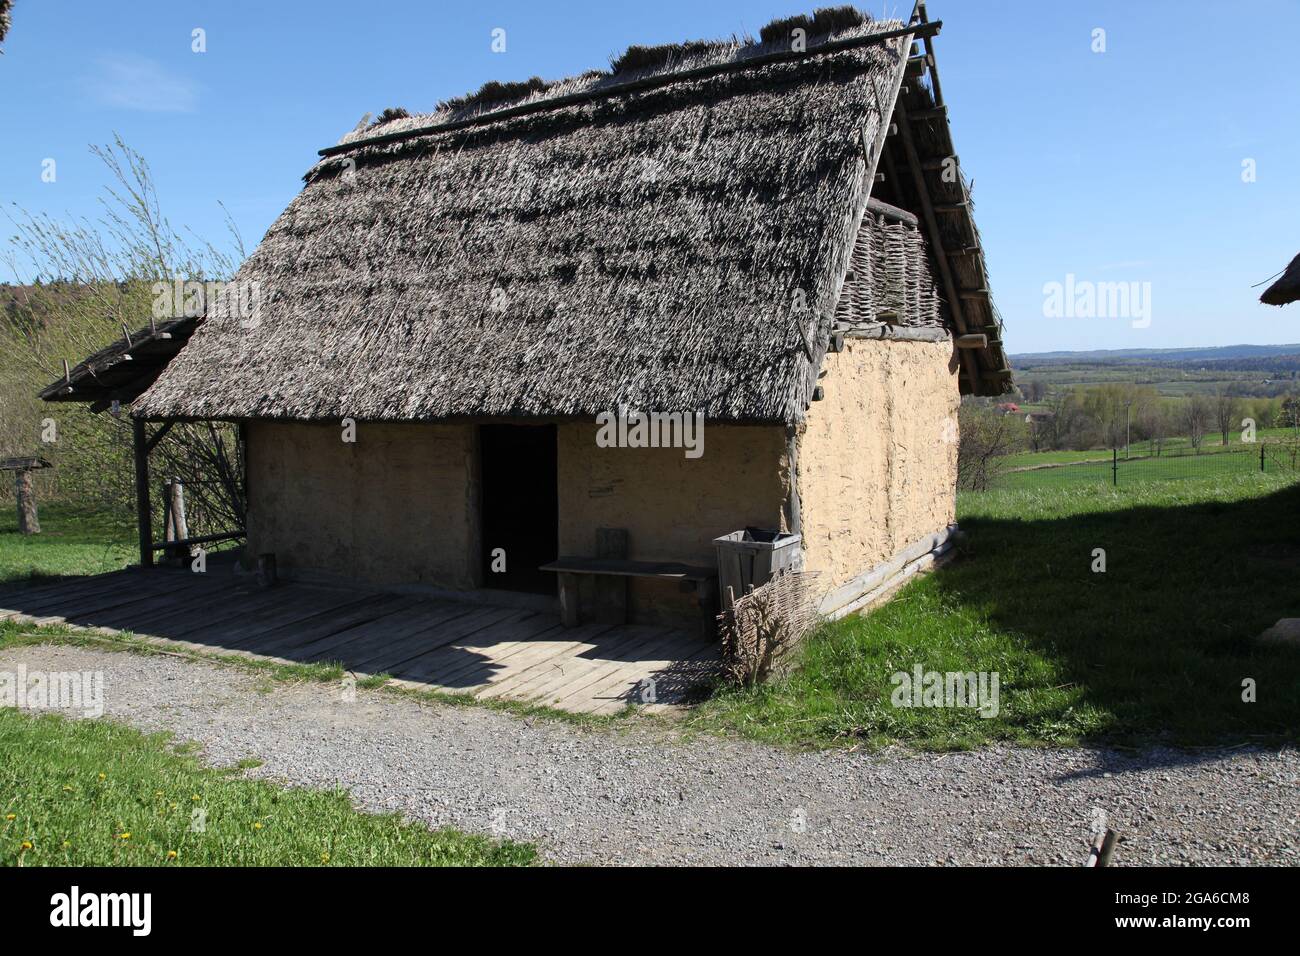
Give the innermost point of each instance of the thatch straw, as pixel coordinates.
(823, 21)
(640, 249)
(6, 18)
(1285, 289)
(389, 115)
(493, 93)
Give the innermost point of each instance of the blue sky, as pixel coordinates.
(1117, 166)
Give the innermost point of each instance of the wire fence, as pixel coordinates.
(1117, 468)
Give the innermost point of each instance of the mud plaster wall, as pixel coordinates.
(672, 506)
(398, 506)
(877, 456)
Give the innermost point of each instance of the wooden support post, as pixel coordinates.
(177, 527)
(143, 517)
(28, 522)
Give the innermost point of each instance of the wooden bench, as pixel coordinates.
(702, 580)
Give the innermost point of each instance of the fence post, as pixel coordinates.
(1114, 466)
(1261, 456)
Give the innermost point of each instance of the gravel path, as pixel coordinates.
(640, 796)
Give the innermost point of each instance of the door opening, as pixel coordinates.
(519, 517)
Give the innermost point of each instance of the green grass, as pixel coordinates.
(1155, 648)
(95, 793)
(1179, 467)
(72, 541)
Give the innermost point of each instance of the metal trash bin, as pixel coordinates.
(749, 558)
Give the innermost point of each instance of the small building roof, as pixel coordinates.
(124, 369)
(632, 238)
(1285, 289)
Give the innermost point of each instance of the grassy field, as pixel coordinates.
(1212, 445)
(1154, 648)
(94, 793)
(1167, 467)
(71, 541)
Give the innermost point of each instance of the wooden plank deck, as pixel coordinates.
(484, 650)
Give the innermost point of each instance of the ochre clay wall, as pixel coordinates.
(672, 506)
(877, 456)
(398, 506)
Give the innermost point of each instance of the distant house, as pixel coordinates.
(1008, 408)
(768, 236)
(1038, 418)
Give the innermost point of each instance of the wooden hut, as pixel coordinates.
(774, 235)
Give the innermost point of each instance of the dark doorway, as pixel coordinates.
(520, 511)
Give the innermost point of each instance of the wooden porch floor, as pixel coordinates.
(485, 650)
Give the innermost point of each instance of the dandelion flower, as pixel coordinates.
(27, 844)
(171, 854)
(103, 776)
(125, 836)
(257, 826)
(9, 816)
(324, 857)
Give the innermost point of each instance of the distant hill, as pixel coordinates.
(1153, 356)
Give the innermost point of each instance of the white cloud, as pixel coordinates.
(135, 83)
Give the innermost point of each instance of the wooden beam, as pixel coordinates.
(159, 435)
(936, 244)
(917, 65)
(899, 333)
(927, 36)
(143, 517)
(973, 340)
(891, 212)
(183, 543)
(934, 112)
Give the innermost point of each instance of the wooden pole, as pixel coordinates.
(143, 518)
(177, 528)
(28, 523)
(968, 363)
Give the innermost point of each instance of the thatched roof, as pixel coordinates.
(6, 18)
(1285, 289)
(123, 369)
(638, 238)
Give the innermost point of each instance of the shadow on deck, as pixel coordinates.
(431, 643)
